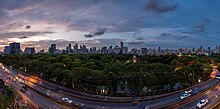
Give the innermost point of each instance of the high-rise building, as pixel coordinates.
(209, 50)
(121, 48)
(7, 50)
(193, 50)
(125, 50)
(110, 50)
(159, 49)
(52, 49)
(104, 50)
(69, 49)
(76, 49)
(29, 50)
(83, 49)
(41, 52)
(15, 48)
(116, 49)
(144, 51)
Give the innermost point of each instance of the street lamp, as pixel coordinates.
(65, 74)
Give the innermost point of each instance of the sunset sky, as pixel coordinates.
(139, 23)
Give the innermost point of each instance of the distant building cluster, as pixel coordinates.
(14, 48)
(82, 49)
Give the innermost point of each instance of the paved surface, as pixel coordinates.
(210, 95)
(37, 100)
(93, 102)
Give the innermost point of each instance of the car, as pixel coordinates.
(79, 104)
(70, 101)
(65, 99)
(185, 95)
(135, 102)
(22, 90)
(16, 77)
(14, 80)
(188, 91)
(24, 87)
(143, 106)
(202, 103)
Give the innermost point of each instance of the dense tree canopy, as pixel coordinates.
(87, 72)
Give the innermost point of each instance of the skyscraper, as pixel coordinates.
(76, 50)
(69, 49)
(121, 48)
(52, 48)
(15, 48)
(7, 50)
(29, 50)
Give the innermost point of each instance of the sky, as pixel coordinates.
(138, 23)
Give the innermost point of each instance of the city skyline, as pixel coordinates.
(141, 23)
(15, 48)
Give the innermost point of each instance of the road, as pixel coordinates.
(37, 100)
(210, 95)
(58, 93)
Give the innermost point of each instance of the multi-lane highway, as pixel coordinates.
(210, 95)
(37, 101)
(92, 101)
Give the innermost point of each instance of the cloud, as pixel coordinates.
(136, 43)
(159, 7)
(202, 26)
(98, 32)
(28, 27)
(139, 38)
(23, 34)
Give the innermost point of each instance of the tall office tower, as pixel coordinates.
(76, 49)
(15, 48)
(209, 50)
(69, 49)
(29, 50)
(7, 50)
(52, 49)
(104, 50)
(159, 49)
(193, 50)
(121, 48)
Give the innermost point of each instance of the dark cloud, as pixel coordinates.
(2, 14)
(169, 36)
(98, 32)
(23, 34)
(89, 35)
(159, 7)
(165, 34)
(139, 38)
(136, 43)
(17, 4)
(202, 26)
(182, 37)
(28, 27)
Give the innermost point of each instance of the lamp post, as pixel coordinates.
(65, 74)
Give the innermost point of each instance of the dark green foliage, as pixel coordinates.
(83, 72)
